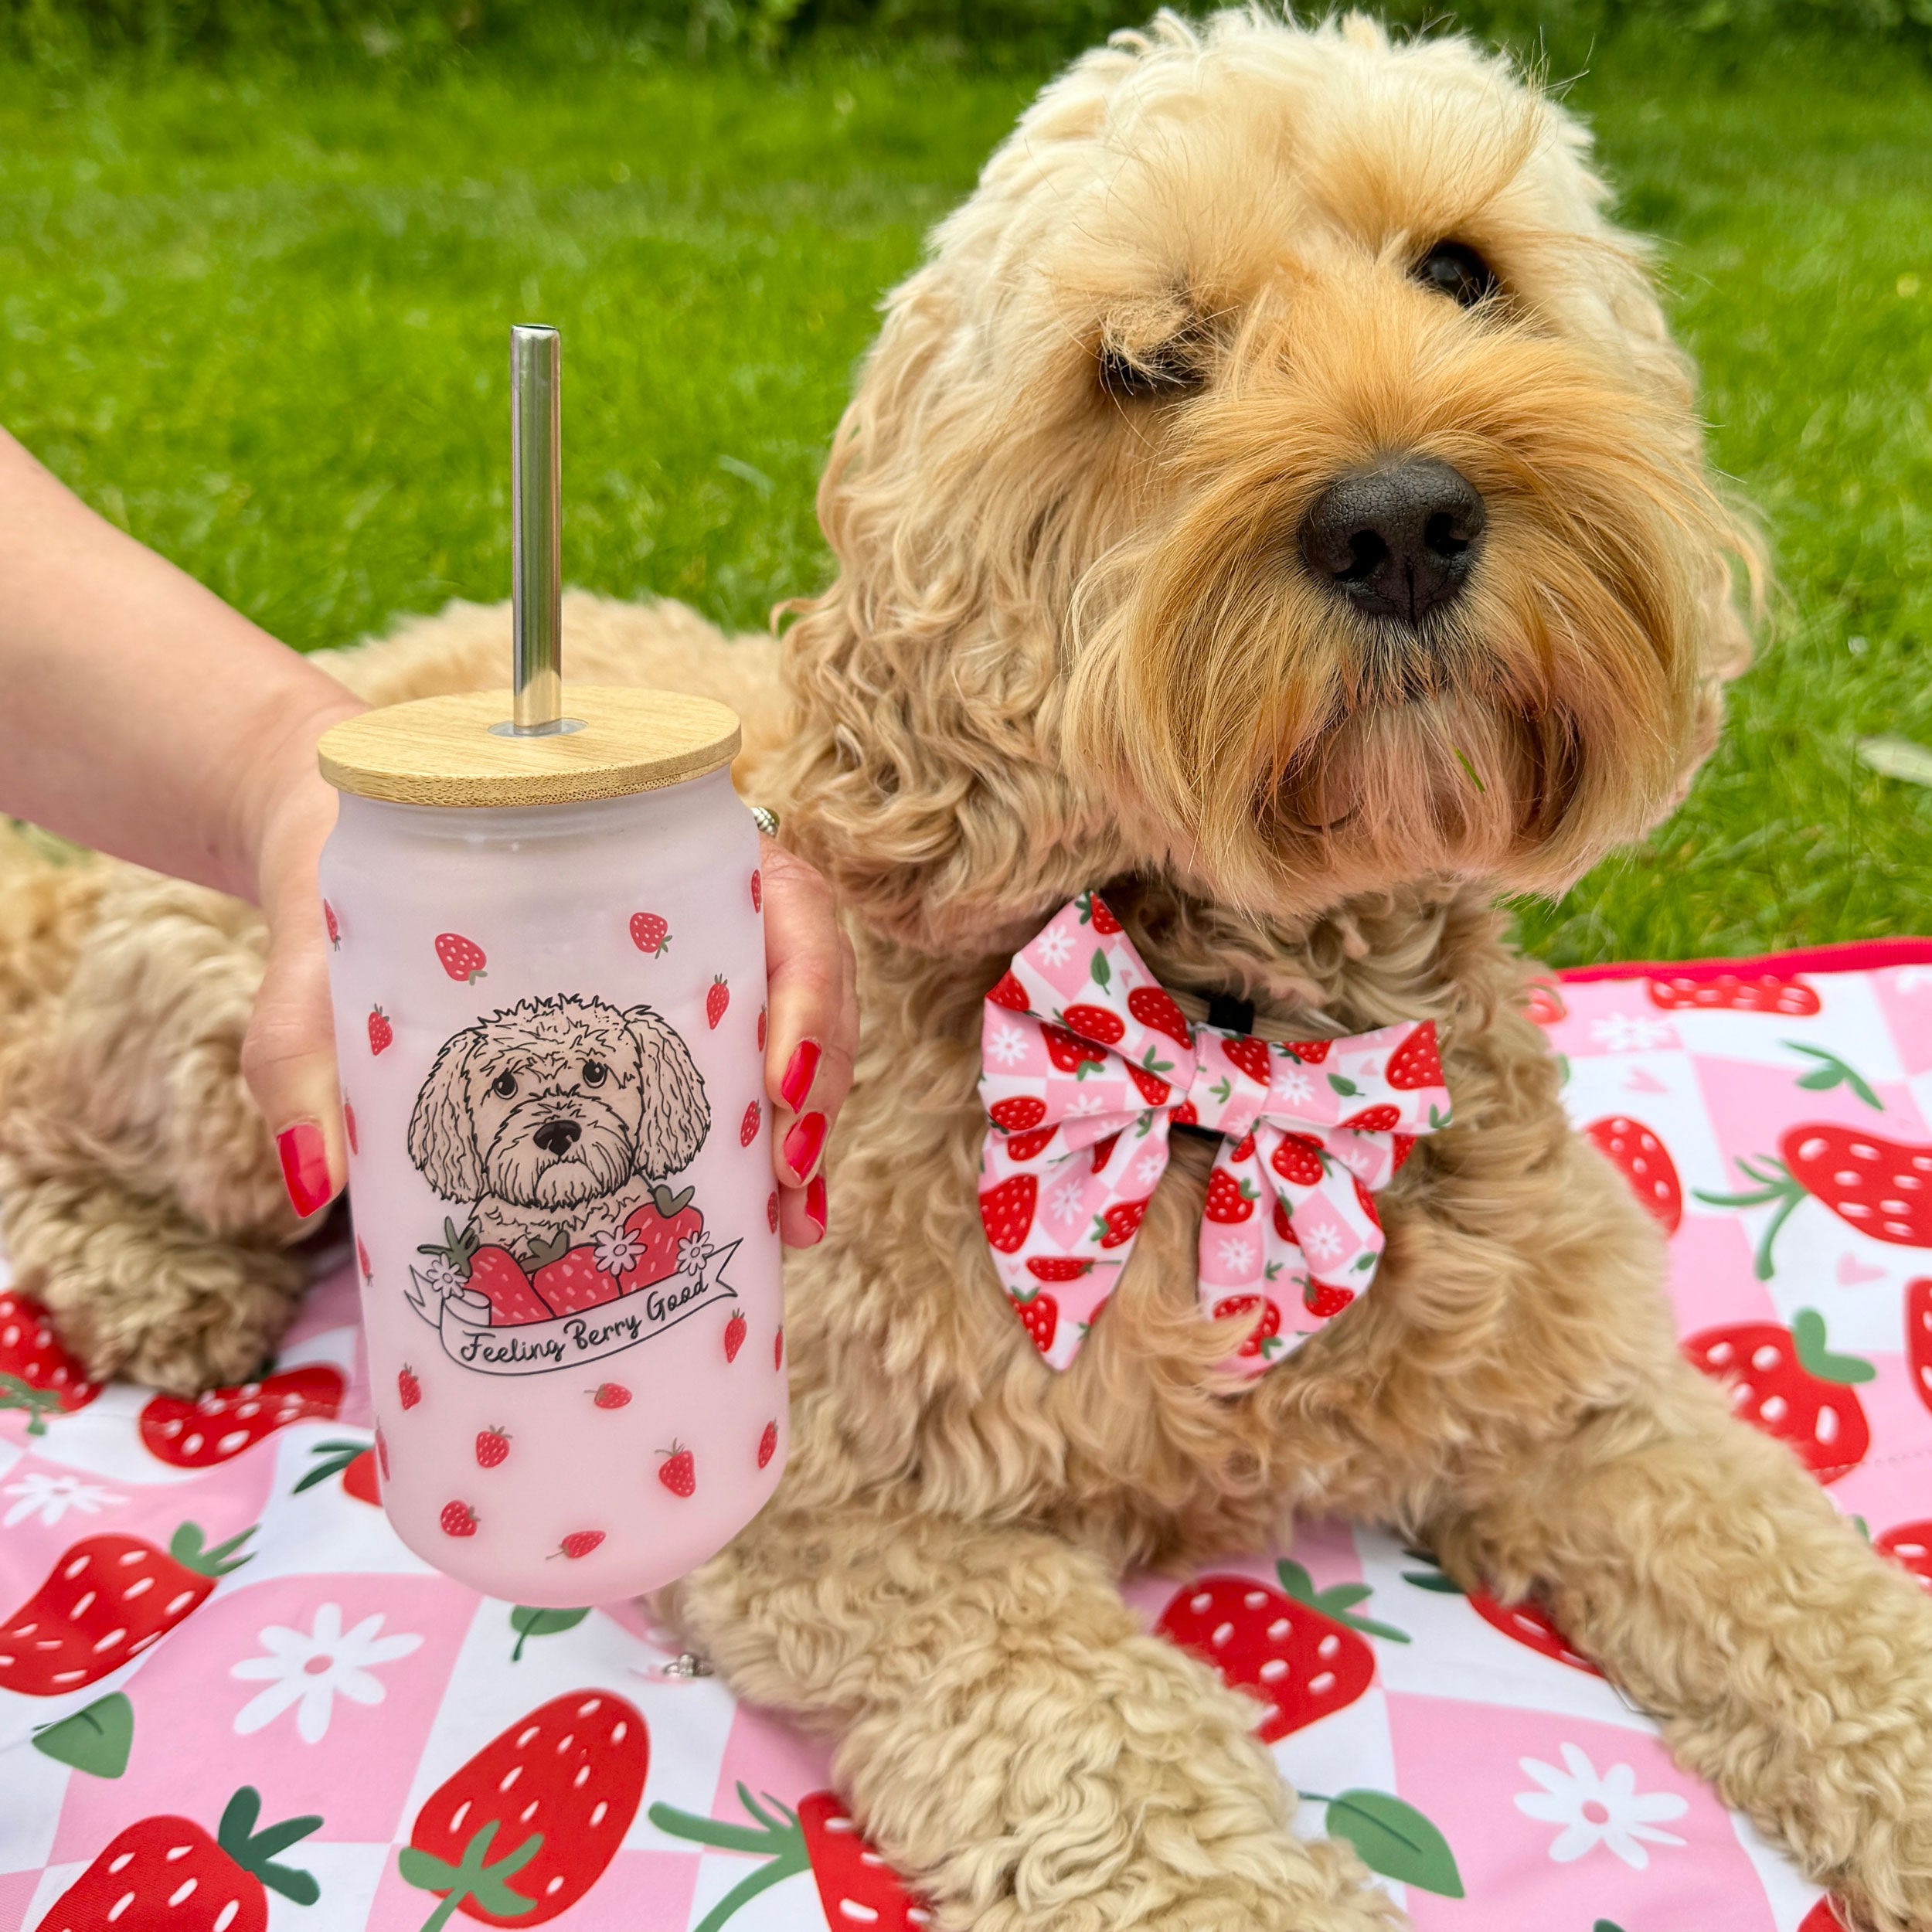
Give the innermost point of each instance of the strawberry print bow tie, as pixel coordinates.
(1088, 1064)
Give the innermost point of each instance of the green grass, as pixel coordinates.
(261, 325)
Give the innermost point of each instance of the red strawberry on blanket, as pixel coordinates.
(1058, 1267)
(715, 1001)
(1822, 1918)
(1096, 1023)
(1526, 1624)
(1325, 1301)
(1265, 1330)
(1645, 1162)
(1788, 1383)
(168, 1872)
(1153, 1007)
(1374, 1120)
(36, 1373)
(462, 958)
(1910, 1545)
(1229, 1200)
(1006, 1211)
(221, 1424)
(1010, 994)
(649, 933)
(1310, 1053)
(1547, 1006)
(1303, 1653)
(1121, 1222)
(856, 1887)
(1298, 1161)
(1729, 993)
(351, 1461)
(1416, 1063)
(106, 1599)
(1882, 1188)
(522, 1831)
(1094, 910)
(1069, 1052)
(1039, 1315)
(1103, 1152)
(1918, 1338)
(1016, 1115)
(1024, 1146)
(1153, 1089)
(1251, 1056)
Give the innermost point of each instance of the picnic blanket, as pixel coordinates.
(229, 1698)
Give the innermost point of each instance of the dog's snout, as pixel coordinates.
(557, 1136)
(1397, 540)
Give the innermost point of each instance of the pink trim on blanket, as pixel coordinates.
(1849, 956)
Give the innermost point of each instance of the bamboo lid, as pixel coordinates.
(442, 751)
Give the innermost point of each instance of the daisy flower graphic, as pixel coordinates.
(309, 1668)
(1608, 1810)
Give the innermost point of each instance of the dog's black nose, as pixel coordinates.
(1397, 540)
(557, 1136)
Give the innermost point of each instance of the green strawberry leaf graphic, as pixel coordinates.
(1830, 1072)
(1102, 973)
(39, 1403)
(1606, 1925)
(778, 1839)
(1344, 1085)
(336, 1457)
(528, 1621)
(1393, 1838)
(1336, 1603)
(476, 1880)
(95, 1740)
(1807, 1339)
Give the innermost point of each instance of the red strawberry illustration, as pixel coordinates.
(1058, 1267)
(1242, 1149)
(856, 1887)
(1282, 1226)
(734, 1335)
(778, 1350)
(1153, 1007)
(771, 1211)
(1229, 1200)
(1547, 1006)
(382, 1035)
(1324, 1301)
(457, 1519)
(1882, 1188)
(1069, 1052)
(661, 1226)
(166, 1871)
(649, 933)
(678, 1472)
(1018, 1113)
(579, 1543)
(1374, 1120)
(1789, 1384)
(106, 1599)
(1024, 1146)
(351, 1461)
(1006, 1211)
(36, 1373)
(1645, 1162)
(761, 1029)
(492, 1445)
(1102, 1152)
(1416, 1063)
(462, 958)
(1728, 993)
(363, 1260)
(1153, 1089)
(1302, 1653)
(522, 1831)
(1010, 994)
(611, 1395)
(1039, 1315)
(715, 1001)
(497, 1275)
(407, 1387)
(348, 1127)
(574, 1282)
(1310, 1053)
(221, 1424)
(334, 926)
(1265, 1330)
(757, 892)
(1251, 1056)
(1299, 1160)
(748, 1127)
(1909, 1545)
(1096, 1023)
(1120, 1223)
(1365, 1201)
(1527, 1624)
(1095, 910)
(1918, 1337)
(767, 1443)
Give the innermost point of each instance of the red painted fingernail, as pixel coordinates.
(815, 1202)
(801, 1070)
(802, 1144)
(305, 1158)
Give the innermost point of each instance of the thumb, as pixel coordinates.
(288, 1060)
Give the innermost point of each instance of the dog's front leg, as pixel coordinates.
(1012, 1741)
(1700, 1565)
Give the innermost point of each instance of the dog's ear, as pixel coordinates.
(442, 1138)
(676, 1115)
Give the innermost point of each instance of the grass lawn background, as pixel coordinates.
(260, 324)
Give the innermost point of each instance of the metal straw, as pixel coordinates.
(536, 457)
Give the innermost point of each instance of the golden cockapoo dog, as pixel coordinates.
(1280, 441)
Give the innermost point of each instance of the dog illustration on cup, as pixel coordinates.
(559, 1123)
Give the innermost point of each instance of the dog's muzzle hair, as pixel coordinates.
(556, 1150)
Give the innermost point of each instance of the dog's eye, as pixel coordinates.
(504, 1086)
(1454, 268)
(594, 1072)
(1174, 368)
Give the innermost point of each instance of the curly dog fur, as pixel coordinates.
(1070, 643)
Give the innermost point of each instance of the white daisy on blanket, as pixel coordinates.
(1323, 1243)
(308, 1668)
(50, 1497)
(1237, 1256)
(1608, 1810)
(1294, 1085)
(1054, 946)
(1631, 1032)
(1069, 1201)
(1007, 1047)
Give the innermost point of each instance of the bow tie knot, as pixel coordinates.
(1088, 1064)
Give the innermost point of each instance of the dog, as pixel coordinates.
(554, 1112)
(1276, 505)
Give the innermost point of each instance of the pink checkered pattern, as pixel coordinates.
(344, 1681)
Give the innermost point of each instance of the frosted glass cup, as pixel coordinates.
(550, 1025)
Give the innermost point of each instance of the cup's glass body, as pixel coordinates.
(550, 1025)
